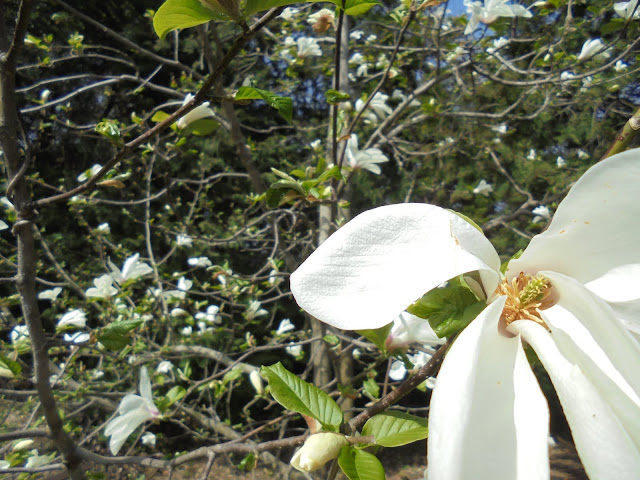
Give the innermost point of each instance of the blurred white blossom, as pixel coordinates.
(364, 159)
(76, 337)
(87, 174)
(293, 349)
(591, 48)
(20, 333)
(199, 262)
(308, 47)
(198, 113)
(36, 460)
(133, 268)
(50, 294)
(103, 287)
(625, 9)
(285, 326)
(104, 228)
(288, 13)
(256, 381)
(211, 315)
(483, 188)
(254, 310)
(489, 11)
(73, 318)
(148, 439)
(184, 241)
(560, 161)
(541, 213)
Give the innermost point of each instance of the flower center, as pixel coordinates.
(526, 296)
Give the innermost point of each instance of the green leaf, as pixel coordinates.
(248, 463)
(109, 129)
(254, 6)
(233, 374)
(360, 465)
(9, 368)
(612, 26)
(175, 394)
(356, 7)
(299, 396)
(335, 97)
(176, 14)
(159, 116)
(115, 336)
(284, 105)
(393, 429)
(377, 336)
(371, 387)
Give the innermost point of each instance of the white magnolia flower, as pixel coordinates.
(198, 113)
(285, 326)
(164, 366)
(315, 144)
(288, 13)
(567, 76)
(317, 450)
(357, 58)
(86, 175)
(371, 38)
(178, 312)
(4, 465)
(377, 107)
(256, 381)
(20, 333)
(3, 225)
(364, 159)
(408, 329)
(397, 371)
(199, 262)
(356, 34)
(483, 188)
(308, 47)
(104, 228)
(497, 45)
(620, 66)
(274, 278)
(184, 241)
(103, 287)
(490, 11)
(133, 411)
(542, 213)
(203, 327)
(582, 155)
(50, 294)
(500, 129)
(254, 310)
(560, 162)
(626, 9)
(362, 70)
(22, 445)
(531, 155)
(593, 47)
(44, 95)
(75, 318)
(183, 286)
(293, 349)
(133, 268)
(76, 337)
(211, 315)
(315, 17)
(289, 42)
(98, 374)
(149, 439)
(36, 460)
(187, 331)
(569, 296)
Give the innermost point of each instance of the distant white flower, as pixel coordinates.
(4, 465)
(560, 162)
(133, 268)
(315, 17)
(567, 76)
(164, 366)
(620, 66)
(211, 315)
(203, 327)
(104, 228)
(187, 331)
(98, 374)
(308, 47)
(293, 350)
(371, 38)
(199, 262)
(20, 333)
(288, 13)
(364, 159)
(591, 48)
(184, 284)
(46, 93)
(541, 213)
(179, 312)
(379, 106)
(148, 439)
(36, 460)
(254, 310)
(497, 45)
(408, 329)
(356, 58)
(489, 12)
(315, 144)
(285, 326)
(256, 381)
(362, 70)
(76, 337)
(501, 129)
(397, 371)
(198, 113)
(133, 411)
(103, 287)
(356, 34)
(3, 225)
(274, 278)
(483, 188)
(22, 445)
(531, 155)
(184, 241)
(420, 359)
(582, 155)
(87, 174)
(289, 42)
(73, 318)
(50, 294)
(400, 95)
(625, 9)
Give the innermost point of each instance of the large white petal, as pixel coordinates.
(620, 284)
(121, 427)
(604, 445)
(371, 269)
(599, 322)
(595, 228)
(488, 418)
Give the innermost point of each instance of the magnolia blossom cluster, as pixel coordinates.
(489, 11)
(572, 296)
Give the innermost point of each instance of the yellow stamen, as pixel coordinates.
(526, 296)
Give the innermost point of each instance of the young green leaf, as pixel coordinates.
(377, 336)
(360, 465)
(335, 97)
(393, 429)
(254, 6)
(284, 105)
(177, 14)
(299, 396)
(115, 336)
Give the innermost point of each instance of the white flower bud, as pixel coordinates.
(318, 450)
(256, 381)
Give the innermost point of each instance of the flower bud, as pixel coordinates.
(318, 450)
(256, 381)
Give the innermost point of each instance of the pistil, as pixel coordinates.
(526, 296)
